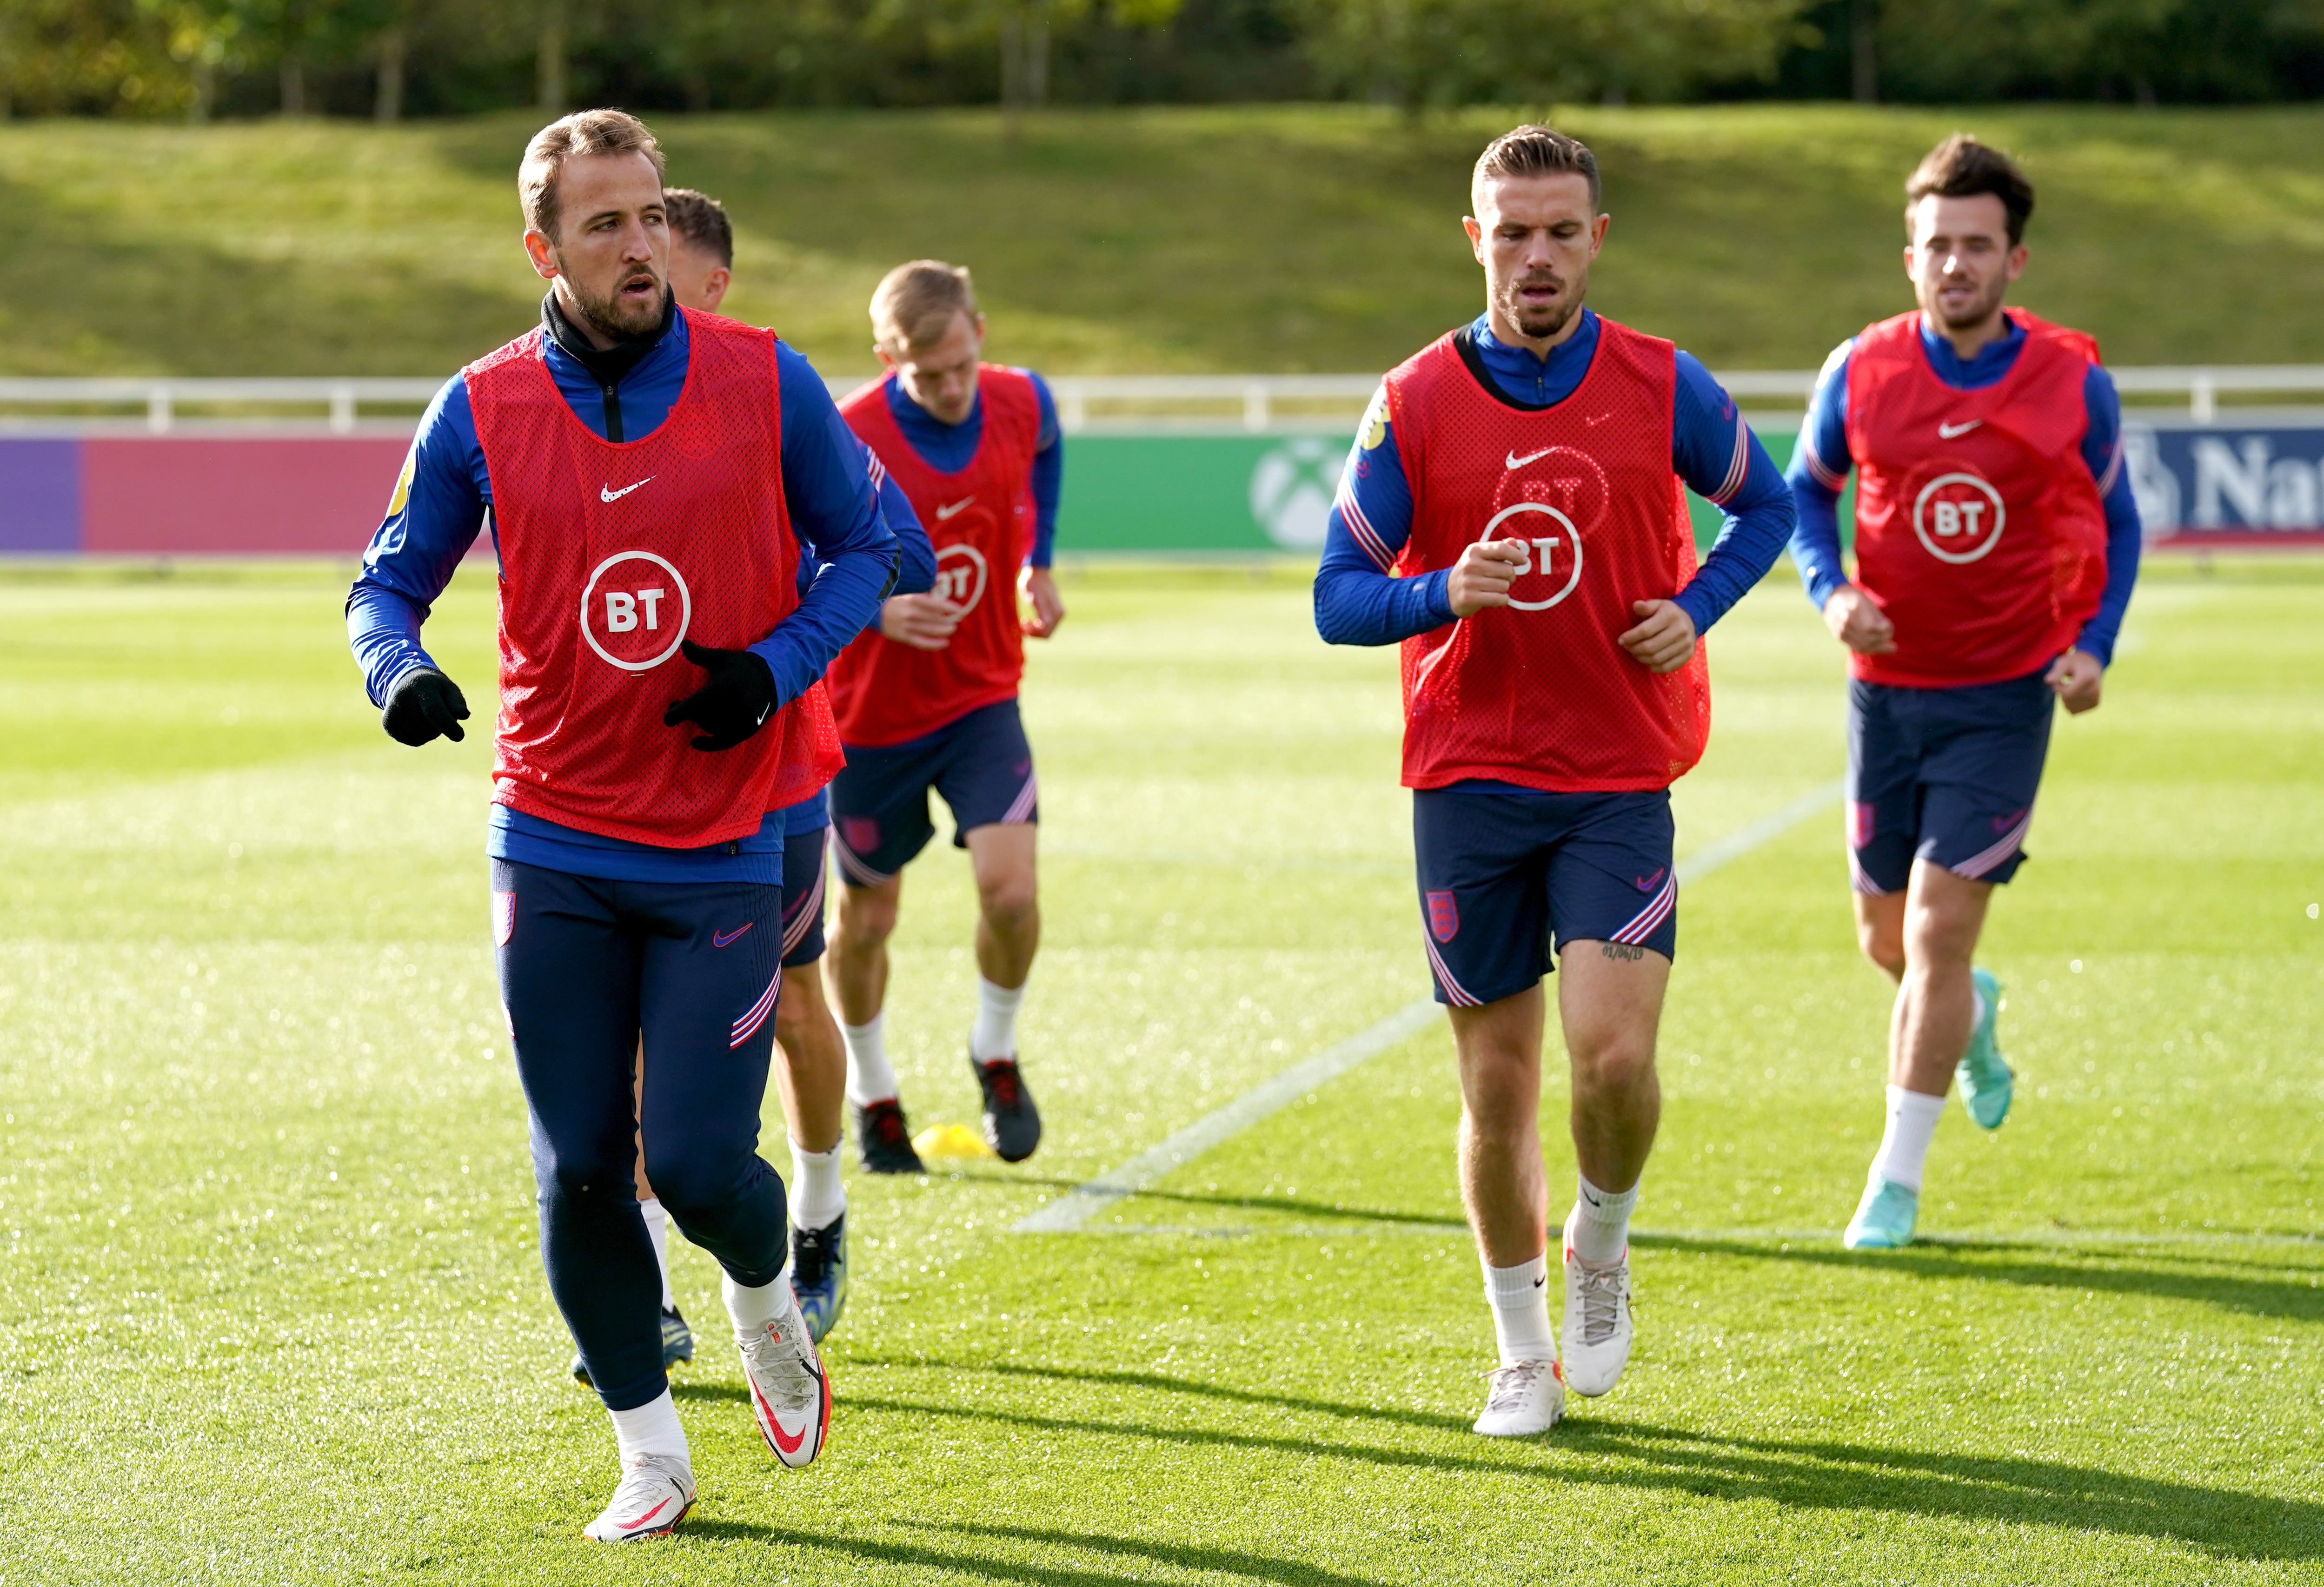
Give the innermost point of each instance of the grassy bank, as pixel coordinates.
(1277, 238)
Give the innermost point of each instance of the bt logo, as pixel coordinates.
(1959, 518)
(960, 575)
(629, 619)
(1551, 548)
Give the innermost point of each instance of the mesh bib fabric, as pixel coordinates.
(613, 552)
(1538, 693)
(1979, 529)
(980, 521)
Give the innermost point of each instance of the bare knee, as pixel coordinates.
(867, 916)
(1007, 902)
(1883, 942)
(1616, 1060)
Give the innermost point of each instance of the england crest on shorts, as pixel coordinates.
(1443, 916)
(503, 917)
(1860, 823)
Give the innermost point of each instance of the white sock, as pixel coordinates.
(753, 1310)
(1904, 1144)
(869, 1077)
(818, 1196)
(994, 1034)
(652, 1429)
(658, 1231)
(1519, 1297)
(1601, 1223)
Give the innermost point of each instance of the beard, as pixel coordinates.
(615, 316)
(1987, 299)
(1540, 322)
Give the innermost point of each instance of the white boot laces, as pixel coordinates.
(1508, 1387)
(1601, 1301)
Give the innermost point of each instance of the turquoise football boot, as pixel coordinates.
(1986, 1081)
(1885, 1218)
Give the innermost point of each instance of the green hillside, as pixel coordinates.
(1279, 238)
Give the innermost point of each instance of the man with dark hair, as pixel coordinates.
(656, 482)
(1512, 513)
(1996, 543)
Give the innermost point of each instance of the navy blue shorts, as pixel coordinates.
(981, 766)
(1503, 877)
(1947, 776)
(804, 869)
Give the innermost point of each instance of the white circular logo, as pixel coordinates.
(1542, 551)
(1292, 488)
(633, 612)
(1959, 518)
(960, 575)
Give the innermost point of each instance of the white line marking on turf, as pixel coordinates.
(1068, 1212)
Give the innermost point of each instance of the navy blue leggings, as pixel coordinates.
(585, 966)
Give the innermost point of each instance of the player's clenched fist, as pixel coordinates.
(1482, 576)
(1664, 638)
(424, 704)
(1858, 624)
(925, 622)
(2075, 678)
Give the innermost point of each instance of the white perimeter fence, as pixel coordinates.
(1252, 402)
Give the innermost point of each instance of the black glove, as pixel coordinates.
(423, 704)
(734, 704)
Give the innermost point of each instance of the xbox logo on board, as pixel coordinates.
(1291, 492)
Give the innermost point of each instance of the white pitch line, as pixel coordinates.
(1068, 1212)
(1356, 1228)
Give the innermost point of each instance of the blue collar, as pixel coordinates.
(1530, 378)
(1993, 361)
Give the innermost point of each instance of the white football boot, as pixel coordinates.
(1521, 1398)
(656, 1492)
(1597, 1331)
(790, 1397)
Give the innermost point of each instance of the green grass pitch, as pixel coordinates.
(269, 1308)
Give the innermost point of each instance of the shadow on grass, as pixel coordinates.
(2000, 1263)
(1321, 1209)
(1809, 1474)
(1003, 1180)
(1257, 1567)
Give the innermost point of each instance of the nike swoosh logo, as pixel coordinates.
(946, 512)
(642, 1520)
(606, 493)
(1947, 432)
(720, 938)
(788, 1445)
(1517, 461)
(1598, 418)
(1539, 1283)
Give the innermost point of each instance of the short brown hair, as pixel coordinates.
(585, 131)
(1531, 150)
(1961, 168)
(915, 303)
(702, 221)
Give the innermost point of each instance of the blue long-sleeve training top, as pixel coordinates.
(949, 448)
(834, 505)
(1359, 601)
(1820, 461)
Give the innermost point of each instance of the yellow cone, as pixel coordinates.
(954, 1140)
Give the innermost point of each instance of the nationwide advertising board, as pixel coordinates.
(1153, 492)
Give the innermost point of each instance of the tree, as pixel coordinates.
(1434, 53)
